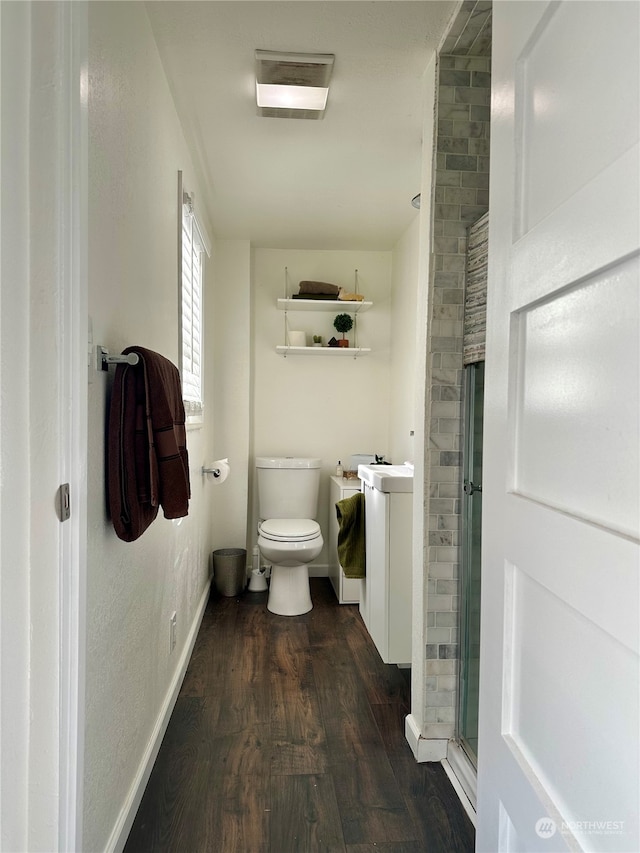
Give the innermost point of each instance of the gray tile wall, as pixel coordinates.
(461, 197)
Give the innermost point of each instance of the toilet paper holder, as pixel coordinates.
(219, 469)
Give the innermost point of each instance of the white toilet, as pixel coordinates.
(288, 536)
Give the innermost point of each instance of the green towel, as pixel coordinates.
(351, 548)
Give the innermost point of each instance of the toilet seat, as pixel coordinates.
(289, 529)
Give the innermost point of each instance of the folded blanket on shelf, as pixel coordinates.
(351, 539)
(350, 297)
(319, 287)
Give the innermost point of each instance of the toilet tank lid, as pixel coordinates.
(287, 462)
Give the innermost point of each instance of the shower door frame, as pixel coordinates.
(466, 549)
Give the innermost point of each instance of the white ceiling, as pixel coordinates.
(344, 182)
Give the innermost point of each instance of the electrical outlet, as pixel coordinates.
(173, 625)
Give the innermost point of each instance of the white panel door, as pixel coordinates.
(558, 742)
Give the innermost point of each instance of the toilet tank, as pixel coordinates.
(288, 486)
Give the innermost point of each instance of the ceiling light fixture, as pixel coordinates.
(292, 85)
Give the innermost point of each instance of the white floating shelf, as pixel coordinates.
(323, 305)
(345, 352)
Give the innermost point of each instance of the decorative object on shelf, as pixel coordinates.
(343, 323)
(297, 339)
(317, 340)
(332, 342)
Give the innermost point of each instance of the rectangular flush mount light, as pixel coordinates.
(292, 85)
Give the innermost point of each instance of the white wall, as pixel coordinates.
(404, 299)
(323, 406)
(136, 148)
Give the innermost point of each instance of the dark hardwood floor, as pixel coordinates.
(288, 735)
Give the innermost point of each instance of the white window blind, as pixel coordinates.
(194, 245)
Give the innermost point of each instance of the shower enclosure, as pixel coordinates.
(470, 575)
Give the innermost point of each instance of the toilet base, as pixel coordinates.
(289, 593)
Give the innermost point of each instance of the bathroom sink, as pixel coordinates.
(388, 478)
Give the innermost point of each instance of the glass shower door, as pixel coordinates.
(471, 566)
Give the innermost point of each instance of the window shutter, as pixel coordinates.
(192, 249)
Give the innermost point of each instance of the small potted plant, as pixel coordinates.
(343, 323)
(317, 340)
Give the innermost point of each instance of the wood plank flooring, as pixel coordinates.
(288, 737)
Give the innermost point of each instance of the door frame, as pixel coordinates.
(73, 360)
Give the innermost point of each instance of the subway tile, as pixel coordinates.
(448, 245)
(448, 651)
(454, 263)
(450, 425)
(455, 112)
(483, 164)
(446, 682)
(446, 555)
(475, 179)
(440, 537)
(449, 393)
(472, 63)
(450, 77)
(448, 490)
(450, 359)
(443, 698)
(439, 635)
(440, 441)
(441, 506)
(450, 457)
(471, 212)
(433, 522)
(431, 683)
(444, 715)
(443, 475)
(430, 619)
(479, 112)
(438, 195)
(440, 570)
(435, 395)
(481, 79)
(448, 523)
(452, 228)
(447, 620)
(439, 602)
(444, 377)
(447, 211)
(431, 651)
(445, 587)
(438, 228)
(463, 95)
(447, 61)
(453, 296)
(446, 344)
(446, 312)
(468, 129)
(461, 163)
(441, 161)
(446, 95)
(436, 666)
(479, 146)
(445, 127)
(436, 359)
(482, 197)
(459, 195)
(449, 145)
(445, 410)
(447, 178)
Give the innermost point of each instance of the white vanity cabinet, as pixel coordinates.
(347, 590)
(385, 604)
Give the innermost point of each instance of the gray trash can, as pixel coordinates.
(230, 570)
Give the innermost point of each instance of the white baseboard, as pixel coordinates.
(424, 749)
(132, 802)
